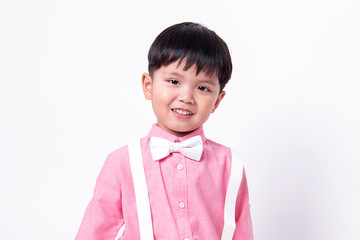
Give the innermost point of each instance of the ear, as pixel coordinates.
(146, 82)
(218, 100)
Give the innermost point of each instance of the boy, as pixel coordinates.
(175, 183)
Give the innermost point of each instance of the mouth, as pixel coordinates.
(183, 112)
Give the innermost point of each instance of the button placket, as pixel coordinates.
(181, 192)
(180, 182)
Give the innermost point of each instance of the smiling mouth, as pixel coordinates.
(182, 112)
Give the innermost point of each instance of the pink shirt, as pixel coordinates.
(186, 197)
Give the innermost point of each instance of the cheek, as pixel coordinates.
(164, 95)
(208, 105)
(212, 102)
(162, 98)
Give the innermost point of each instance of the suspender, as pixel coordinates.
(231, 195)
(141, 193)
(142, 198)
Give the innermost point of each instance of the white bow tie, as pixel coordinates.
(191, 148)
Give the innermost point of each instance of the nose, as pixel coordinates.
(186, 96)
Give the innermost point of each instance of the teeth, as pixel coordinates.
(181, 112)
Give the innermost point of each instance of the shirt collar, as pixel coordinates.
(156, 131)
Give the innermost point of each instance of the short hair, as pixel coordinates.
(197, 45)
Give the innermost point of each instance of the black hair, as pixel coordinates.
(197, 45)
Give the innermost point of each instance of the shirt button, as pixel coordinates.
(180, 167)
(181, 205)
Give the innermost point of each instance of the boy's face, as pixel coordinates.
(182, 101)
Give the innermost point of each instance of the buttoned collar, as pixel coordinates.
(156, 131)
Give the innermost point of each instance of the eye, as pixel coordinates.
(174, 82)
(204, 89)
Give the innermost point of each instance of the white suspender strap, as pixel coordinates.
(141, 193)
(231, 195)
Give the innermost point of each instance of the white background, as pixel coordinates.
(70, 94)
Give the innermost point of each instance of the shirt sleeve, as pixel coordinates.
(243, 230)
(104, 216)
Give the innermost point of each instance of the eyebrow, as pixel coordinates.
(200, 80)
(175, 73)
(207, 81)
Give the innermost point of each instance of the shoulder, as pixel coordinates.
(220, 149)
(118, 153)
(217, 147)
(214, 144)
(122, 152)
(117, 163)
(215, 150)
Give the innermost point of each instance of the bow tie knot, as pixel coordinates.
(175, 147)
(191, 148)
